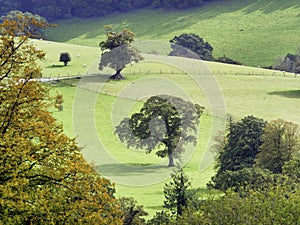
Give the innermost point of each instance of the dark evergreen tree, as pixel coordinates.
(177, 193)
(239, 180)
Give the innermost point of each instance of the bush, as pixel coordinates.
(225, 59)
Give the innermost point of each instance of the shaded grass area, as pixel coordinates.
(253, 32)
(287, 94)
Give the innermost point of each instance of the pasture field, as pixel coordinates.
(263, 95)
(255, 33)
(81, 58)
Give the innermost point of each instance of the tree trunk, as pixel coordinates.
(65, 63)
(117, 75)
(171, 160)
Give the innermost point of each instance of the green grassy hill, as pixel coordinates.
(246, 90)
(253, 32)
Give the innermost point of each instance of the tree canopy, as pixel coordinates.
(280, 143)
(277, 204)
(53, 10)
(65, 58)
(44, 178)
(164, 123)
(197, 46)
(242, 145)
(239, 152)
(34, 28)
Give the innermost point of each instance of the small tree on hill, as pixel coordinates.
(65, 58)
(194, 43)
(164, 123)
(117, 51)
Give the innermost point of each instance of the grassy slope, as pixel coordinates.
(253, 32)
(262, 95)
(80, 55)
(259, 95)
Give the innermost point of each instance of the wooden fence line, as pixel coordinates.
(149, 72)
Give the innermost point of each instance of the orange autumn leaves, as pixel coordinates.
(43, 176)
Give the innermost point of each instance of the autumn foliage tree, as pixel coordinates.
(44, 179)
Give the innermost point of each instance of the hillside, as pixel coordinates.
(253, 32)
(246, 90)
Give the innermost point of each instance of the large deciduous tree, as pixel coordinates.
(242, 144)
(280, 143)
(191, 46)
(117, 51)
(164, 123)
(44, 179)
(239, 152)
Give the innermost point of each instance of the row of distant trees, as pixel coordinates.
(52, 9)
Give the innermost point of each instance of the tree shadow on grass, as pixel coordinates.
(287, 94)
(55, 66)
(129, 170)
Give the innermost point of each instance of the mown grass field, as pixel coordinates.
(253, 32)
